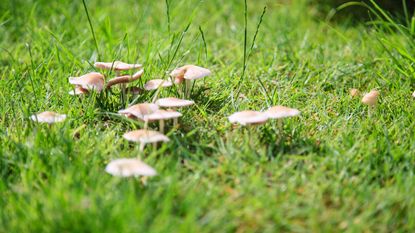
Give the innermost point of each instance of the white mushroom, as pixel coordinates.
(117, 65)
(280, 112)
(189, 73)
(161, 116)
(129, 167)
(248, 118)
(48, 117)
(157, 83)
(91, 81)
(172, 102)
(144, 137)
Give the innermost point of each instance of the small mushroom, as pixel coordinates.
(189, 73)
(124, 79)
(371, 98)
(172, 102)
(413, 94)
(157, 83)
(144, 136)
(354, 92)
(48, 117)
(129, 167)
(117, 66)
(91, 81)
(139, 111)
(78, 91)
(280, 112)
(161, 116)
(248, 118)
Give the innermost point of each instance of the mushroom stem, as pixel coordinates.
(142, 145)
(175, 122)
(161, 126)
(155, 145)
(187, 89)
(143, 180)
(280, 126)
(145, 124)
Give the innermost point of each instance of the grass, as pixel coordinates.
(335, 170)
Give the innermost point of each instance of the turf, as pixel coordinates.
(333, 169)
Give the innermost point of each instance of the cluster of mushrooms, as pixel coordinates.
(161, 110)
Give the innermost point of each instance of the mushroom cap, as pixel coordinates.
(140, 110)
(145, 136)
(48, 117)
(277, 112)
(78, 91)
(162, 115)
(190, 72)
(172, 102)
(156, 83)
(129, 167)
(125, 78)
(371, 98)
(91, 81)
(117, 65)
(354, 92)
(248, 117)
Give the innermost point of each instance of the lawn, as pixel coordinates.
(335, 168)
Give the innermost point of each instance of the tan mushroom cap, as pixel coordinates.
(157, 83)
(189, 72)
(145, 136)
(172, 102)
(117, 65)
(139, 110)
(248, 118)
(129, 167)
(48, 117)
(371, 98)
(162, 115)
(354, 92)
(125, 79)
(278, 112)
(91, 81)
(78, 91)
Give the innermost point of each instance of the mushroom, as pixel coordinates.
(117, 66)
(174, 103)
(78, 91)
(189, 73)
(413, 94)
(248, 117)
(124, 79)
(129, 167)
(144, 136)
(354, 92)
(48, 117)
(161, 115)
(371, 99)
(280, 112)
(156, 83)
(91, 81)
(139, 111)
